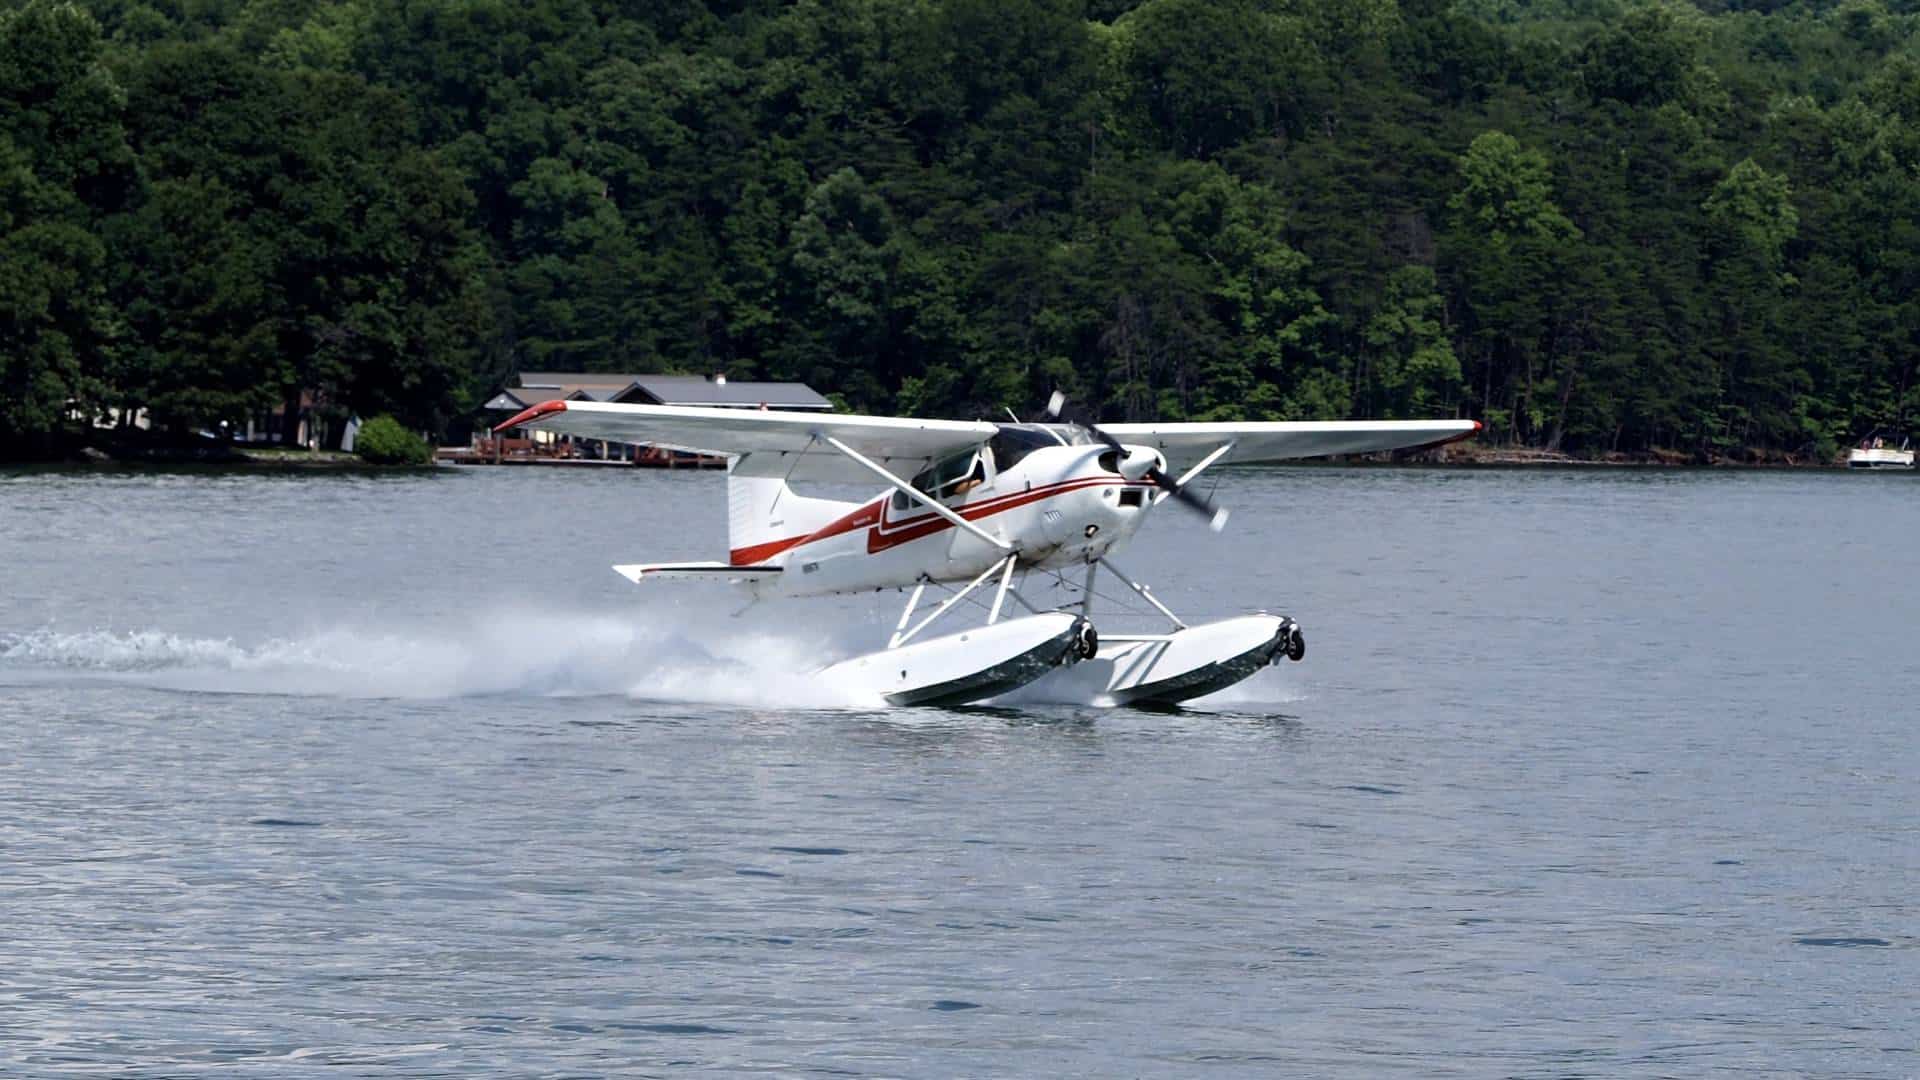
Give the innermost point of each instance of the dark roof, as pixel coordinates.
(505, 399)
(695, 390)
(521, 397)
(538, 386)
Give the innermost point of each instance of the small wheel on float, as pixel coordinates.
(1086, 644)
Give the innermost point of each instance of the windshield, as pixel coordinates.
(1016, 441)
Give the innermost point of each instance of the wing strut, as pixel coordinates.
(916, 494)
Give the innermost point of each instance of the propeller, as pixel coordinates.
(1216, 515)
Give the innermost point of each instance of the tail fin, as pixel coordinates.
(765, 517)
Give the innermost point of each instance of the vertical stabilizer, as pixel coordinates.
(765, 517)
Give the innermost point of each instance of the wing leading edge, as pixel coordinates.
(793, 445)
(772, 443)
(1283, 440)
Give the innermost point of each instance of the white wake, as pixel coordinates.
(546, 655)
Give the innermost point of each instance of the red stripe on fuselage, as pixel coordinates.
(859, 519)
(889, 534)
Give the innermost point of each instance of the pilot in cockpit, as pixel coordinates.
(973, 479)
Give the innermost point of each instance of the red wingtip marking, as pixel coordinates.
(545, 408)
(1478, 427)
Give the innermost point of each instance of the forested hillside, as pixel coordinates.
(1597, 226)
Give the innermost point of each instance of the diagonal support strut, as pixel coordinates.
(915, 493)
(1000, 566)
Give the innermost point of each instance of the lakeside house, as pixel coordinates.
(531, 388)
(263, 427)
(711, 391)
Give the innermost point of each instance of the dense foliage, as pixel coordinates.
(382, 441)
(1597, 225)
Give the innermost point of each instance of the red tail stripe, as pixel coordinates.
(753, 553)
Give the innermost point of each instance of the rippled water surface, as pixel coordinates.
(1585, 773)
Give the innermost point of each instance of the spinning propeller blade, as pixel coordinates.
(1216, 515)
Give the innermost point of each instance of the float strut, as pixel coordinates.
(1145, 593)
(1000, 596)
(912, 603)
(902, 639)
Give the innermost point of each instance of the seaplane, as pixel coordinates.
(972, 508)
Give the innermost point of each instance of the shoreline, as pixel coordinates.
(210, 458)
(252, 460)
(1522, 457)
(135, 454)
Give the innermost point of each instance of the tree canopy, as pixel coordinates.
(1597, 225)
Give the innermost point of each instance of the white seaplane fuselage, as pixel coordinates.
(1057, 507)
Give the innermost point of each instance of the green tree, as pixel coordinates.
(1645, 61)
(63, 161)
(843, 256)
(1750, 217)
(1412, 360)
(306, 251)
(1197, 76)
(1752, 211)
(1506, 192)
(51, 314)
(1509, 257)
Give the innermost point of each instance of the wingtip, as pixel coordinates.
(528, 416)
(1476, 429)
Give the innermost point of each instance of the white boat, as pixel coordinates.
(1878, 451)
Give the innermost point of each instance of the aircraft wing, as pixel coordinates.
(1185, 444)
(769, 442)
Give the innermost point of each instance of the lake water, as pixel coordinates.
(1598, 773)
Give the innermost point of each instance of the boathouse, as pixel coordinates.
(713, 391)
(531, 388)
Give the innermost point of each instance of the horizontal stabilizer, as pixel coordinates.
(694, 571)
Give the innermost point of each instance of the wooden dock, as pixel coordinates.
(508, 451)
